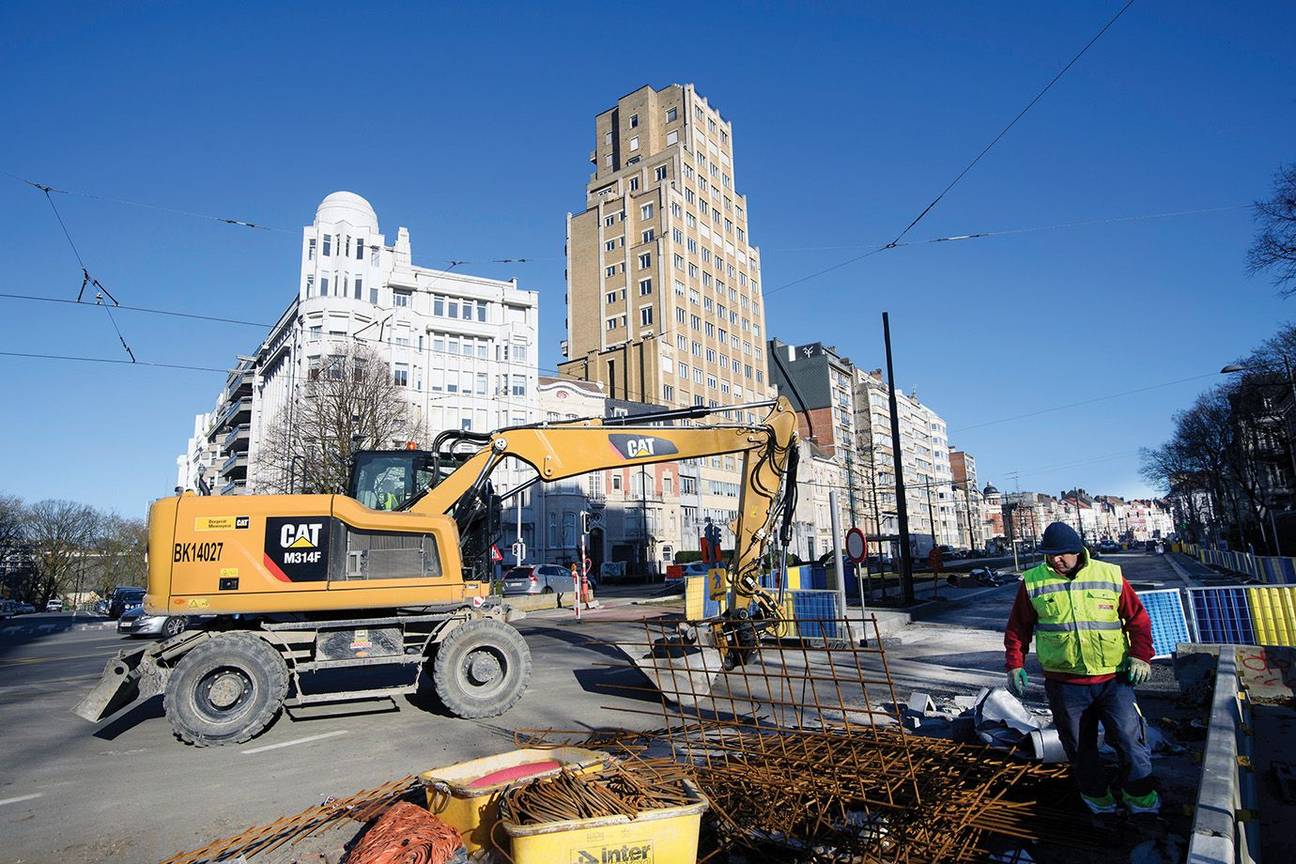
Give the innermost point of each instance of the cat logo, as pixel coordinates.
(642, 446)
(300, 536)
(296, 548)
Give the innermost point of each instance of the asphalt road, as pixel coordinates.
(129, 792)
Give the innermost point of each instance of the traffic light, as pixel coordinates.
(585, 521)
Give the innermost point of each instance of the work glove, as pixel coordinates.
(1138, 671)
(1017, 682)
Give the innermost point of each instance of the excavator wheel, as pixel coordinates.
(225, 691)
(481, 669)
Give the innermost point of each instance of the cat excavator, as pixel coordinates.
(395, 573)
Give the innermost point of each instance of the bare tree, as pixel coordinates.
(351, 402)
(15, 565)
(59, 533)
(117, 555)
(1274, 249)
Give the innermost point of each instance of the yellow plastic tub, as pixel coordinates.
(667, 836)
(455, 795)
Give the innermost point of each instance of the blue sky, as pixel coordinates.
(470, 124)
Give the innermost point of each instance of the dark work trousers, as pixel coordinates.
(1077, 710)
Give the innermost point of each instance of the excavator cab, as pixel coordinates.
(386, 479)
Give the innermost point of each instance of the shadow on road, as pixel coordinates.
(26, 629)
(149, 709)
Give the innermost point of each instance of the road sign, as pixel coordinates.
(495, 553)
(856, 545)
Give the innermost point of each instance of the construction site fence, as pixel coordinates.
(1227, 614)
(1269, 569)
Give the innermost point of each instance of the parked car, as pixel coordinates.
(124, 597)
(136, 622)
(540, 579)
(101, 607)
(1107, 547)
(8, 609)
(24, 608)
(696, 568)
(54, 605)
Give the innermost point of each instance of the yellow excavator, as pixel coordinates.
(396, 572)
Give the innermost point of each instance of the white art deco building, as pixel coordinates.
(462, 348)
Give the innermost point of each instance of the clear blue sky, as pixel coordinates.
(471, 126)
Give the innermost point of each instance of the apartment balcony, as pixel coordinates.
(238, 439)
(233, 413)
(235, 467)
(234, 487)
(238, 384)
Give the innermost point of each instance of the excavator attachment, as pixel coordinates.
(134, 675)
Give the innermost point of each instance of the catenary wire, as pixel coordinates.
(69, 357)
(981, 235)
(242, 223)
(895, 243)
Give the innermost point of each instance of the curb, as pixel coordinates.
(1181, 571)
(659, 601)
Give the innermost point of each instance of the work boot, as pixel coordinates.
(1149, 803)
(1103, 805)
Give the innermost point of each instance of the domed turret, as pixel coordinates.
(347, 207)
(989, 490)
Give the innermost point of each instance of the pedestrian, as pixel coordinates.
(1094, 639)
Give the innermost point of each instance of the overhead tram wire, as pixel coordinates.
(242, 223)
(138, 363)
(921, 215)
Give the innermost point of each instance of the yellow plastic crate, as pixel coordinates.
(472, 810)
(654, 837)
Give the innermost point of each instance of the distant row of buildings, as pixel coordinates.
(663, 308)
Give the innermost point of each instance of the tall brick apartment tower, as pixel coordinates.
(663, 285)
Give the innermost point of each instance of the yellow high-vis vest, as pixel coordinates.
(1079, 631)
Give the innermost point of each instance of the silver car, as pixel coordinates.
(136, 622)
(539, 579)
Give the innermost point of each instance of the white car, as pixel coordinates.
(55, 605)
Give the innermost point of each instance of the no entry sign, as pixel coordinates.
(856, 545)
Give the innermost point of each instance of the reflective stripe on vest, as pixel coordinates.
(1078, 631)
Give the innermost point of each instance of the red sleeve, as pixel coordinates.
(1138, 626)
(1020, 629)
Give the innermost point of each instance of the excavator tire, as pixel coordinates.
(481, 669)
(225, 691)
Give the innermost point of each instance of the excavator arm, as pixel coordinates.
(564, 449)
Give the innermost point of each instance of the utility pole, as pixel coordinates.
(835, 522)
(906, 558)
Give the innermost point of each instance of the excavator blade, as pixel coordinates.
(119, 686)
(682, 671)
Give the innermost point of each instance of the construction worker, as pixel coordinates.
(1094, 639)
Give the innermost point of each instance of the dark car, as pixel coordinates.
(124, 599)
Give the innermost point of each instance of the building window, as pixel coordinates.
(609, 220)
(373, 296)
(646, 211)
(315, 333)
(647, 236)
(672, 115)
(672, 137)
(438, 305)
(695, 322)
(519, 385)
(400, 298)
(359, 285)
(324, 285)
(359, 249)
(634, 144)
(481, 311)
(634, 121)
(680, 315)
(310, 285)
(634, 181)
(310, 249)
(659, 173)
(645, 316)
(668, 391)
(400, 375)
(645, 260)
(645, 287)
(610, 246)
(328, 245)
(678, 260)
